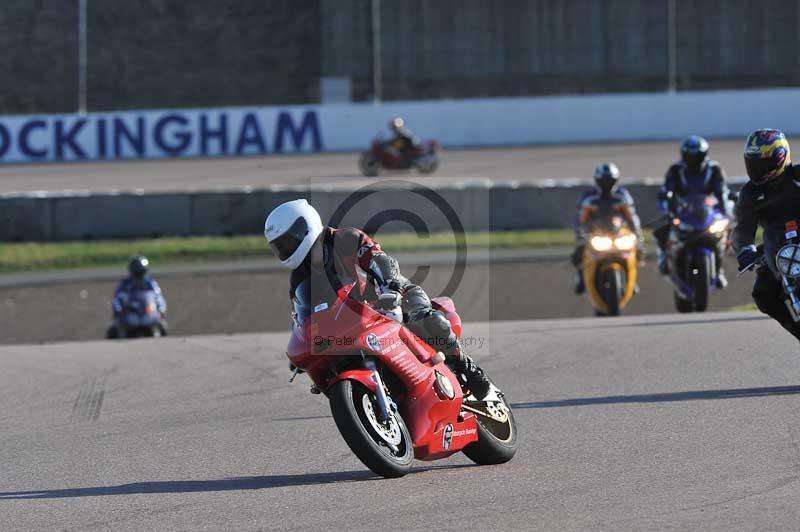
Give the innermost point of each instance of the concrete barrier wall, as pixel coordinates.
(338, 127)
(495, 206)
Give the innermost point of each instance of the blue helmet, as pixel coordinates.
(694, 152)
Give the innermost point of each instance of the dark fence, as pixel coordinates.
(173, 53)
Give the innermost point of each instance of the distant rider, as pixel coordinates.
(402, 140)
(770, 199)
(604, 200)
(137, 281)
(329, 258)
(694, 174)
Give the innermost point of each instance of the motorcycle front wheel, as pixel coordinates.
(384, 447)
(612, 290)
(701, 279)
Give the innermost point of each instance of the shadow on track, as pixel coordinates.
(698, 395)
(228, 484)
(611, 323)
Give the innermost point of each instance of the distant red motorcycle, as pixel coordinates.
(391, 395)
(424, 157)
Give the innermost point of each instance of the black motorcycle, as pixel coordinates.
(784, 264)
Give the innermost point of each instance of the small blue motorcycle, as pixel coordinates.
(699, 234)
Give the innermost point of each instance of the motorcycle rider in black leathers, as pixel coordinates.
(606, 199)
(324, 259)
(693, 174)
(771, 199)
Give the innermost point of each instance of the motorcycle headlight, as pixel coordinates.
(719, 226)
(788, 261)
(625, 242)
(601, 243)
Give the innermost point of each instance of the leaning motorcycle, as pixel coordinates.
(423, 157)
(784, 265)
(391, 395)
(698, 232)
(610, 266)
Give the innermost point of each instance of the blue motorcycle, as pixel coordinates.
(698, 236)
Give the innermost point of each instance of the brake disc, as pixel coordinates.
(389, 430)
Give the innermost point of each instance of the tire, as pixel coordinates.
(612, 290)
(346, 400)
(491, 449)
(682, 305)
(368, 164)
(431, 166)
(701, 280)
(112, 333)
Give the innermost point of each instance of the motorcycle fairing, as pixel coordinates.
(402, 353)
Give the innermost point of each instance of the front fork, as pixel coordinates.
(385, 405)
(794, 299)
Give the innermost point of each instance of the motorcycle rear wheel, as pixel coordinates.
(497, 442)
(429, 163)
(352, 416)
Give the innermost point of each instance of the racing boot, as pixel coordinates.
(467, 371)
(579, 286)
(661, 259)
(721, 281)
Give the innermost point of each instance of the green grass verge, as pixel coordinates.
(22, 257)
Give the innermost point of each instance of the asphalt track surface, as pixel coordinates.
(634, 423)
(537, 163)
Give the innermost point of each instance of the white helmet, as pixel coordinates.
(291, 229)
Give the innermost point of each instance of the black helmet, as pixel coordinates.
(694, 152)
(138, 266)
(606, 177)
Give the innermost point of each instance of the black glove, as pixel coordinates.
(388, 300)
(746, 257)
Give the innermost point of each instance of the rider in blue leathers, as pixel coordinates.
(695, 173)
(137, 281)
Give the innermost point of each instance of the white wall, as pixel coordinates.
(334, 127)
(560, 119)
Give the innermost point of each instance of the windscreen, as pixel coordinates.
(700, 206)
(312, 294)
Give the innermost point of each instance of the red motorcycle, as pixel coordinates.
(391, 395)
(424, 157)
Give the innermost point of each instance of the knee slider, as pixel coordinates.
(437, 324)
